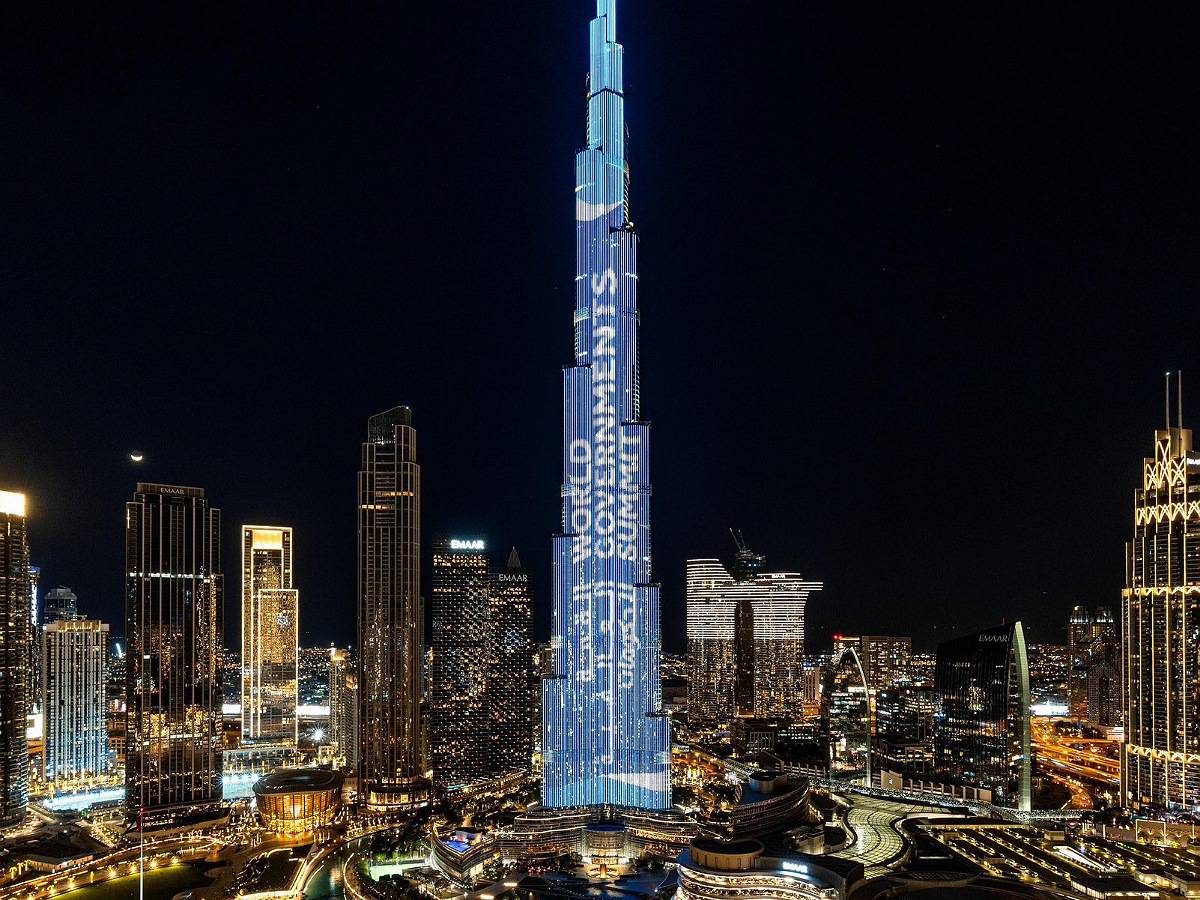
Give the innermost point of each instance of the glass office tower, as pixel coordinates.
(606, 739)
(15, 662)
(173, 602)
(1160, 612)
(270, 614)
(981, 728)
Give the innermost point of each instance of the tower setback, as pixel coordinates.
(605, 740)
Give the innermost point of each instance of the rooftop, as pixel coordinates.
(294, 781)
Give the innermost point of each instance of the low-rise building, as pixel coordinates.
(712, 869)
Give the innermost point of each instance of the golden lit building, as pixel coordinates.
(1160, 606)
(298, 801)
(343, 705)
(270, 614)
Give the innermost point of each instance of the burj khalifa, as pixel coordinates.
(606, 741)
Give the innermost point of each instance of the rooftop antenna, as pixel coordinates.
(1179, 397)
(1167, 397)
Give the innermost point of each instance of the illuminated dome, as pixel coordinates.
(298, 801)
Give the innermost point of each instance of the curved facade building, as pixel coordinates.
(981, 727)
(605, 739)
(745, 633)
(846, 705)
(298, 801)
(1160, 610)
(712, 869)
(462, 855)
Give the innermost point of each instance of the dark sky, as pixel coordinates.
(910, 278)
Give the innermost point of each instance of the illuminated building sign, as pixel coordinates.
(605, 739)
(456, 544)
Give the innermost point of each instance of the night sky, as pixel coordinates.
(910, 277)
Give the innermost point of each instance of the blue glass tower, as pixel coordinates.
(606, 741)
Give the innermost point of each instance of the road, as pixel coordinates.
(1076, 763)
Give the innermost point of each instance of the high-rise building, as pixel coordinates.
(1160, 606)
(33, 681)
(174, 593)
(981, 728)
(905, 713)
(270, 614)
(886, 660)
(846, 716)
(711, 642)
(510, 667)
(606, 738)
(459, 728)
(75, 726)
(15, 593)
(313, 669)
(774, 602)
(1079, 641)
(746, 566)
(1093, 682)
(61, 605)
(343, 705)
(390, 617)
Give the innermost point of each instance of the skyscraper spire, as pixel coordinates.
(605, 739)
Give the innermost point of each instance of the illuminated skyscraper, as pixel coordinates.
(606, 737)
(14, 657)
(1160, 610)
(459, 735)
(74, 655)
(174, 594)
(775, 603)
(390, 617)
(343, 705)
(510, 666)
(270, 613)
(33, 680)
(981, 728)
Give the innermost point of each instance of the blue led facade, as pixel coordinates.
(606, 741)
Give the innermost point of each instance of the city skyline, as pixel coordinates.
(875, 314)
(910, 228)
